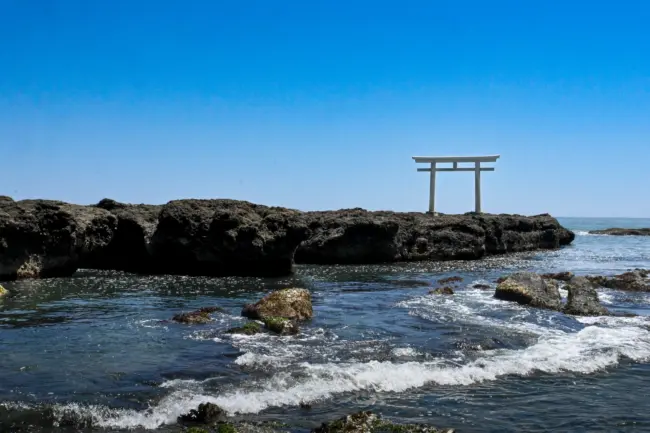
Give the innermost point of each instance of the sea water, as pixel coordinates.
(97, 351)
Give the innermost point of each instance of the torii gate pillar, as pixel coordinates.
(477, 169)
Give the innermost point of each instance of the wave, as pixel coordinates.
(589, 350)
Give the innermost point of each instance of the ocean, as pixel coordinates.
(96, 352)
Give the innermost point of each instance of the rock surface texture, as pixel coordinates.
(528, 288)
(583, 298)
(634, 281)
(43, 238)
(357, 236)
(622, 232)
(294, 304)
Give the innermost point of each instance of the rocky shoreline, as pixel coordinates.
(622, 232)
(46, 238)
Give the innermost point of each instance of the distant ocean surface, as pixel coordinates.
(95, 351)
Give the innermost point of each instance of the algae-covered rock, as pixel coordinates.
(3, 291)
(527, 288)
(449, 280)
(583, 299)
(250, 328)
(368, 422)
(225, 427)
(196, 430)
(206, 413)
(288, 303)
(442, 291)
(281, 326)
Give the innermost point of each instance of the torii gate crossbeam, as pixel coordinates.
(455, 160)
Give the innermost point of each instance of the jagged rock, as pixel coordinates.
(442, 291)
(281, 326)
(287, 303)
(622, 232)
(129, 250)
(206, 413)
(41, 238)
(583, 299)
(368, 422)
(634, 281)
(528, 288)
(356, 236)
(44, 238)
(199, 317)
(226, 237)
(250, 328)
(559, 276)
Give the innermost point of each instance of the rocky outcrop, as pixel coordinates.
(527, 288)
(583, 298)
(206, 413)
(442, 291)
(622, 232)
(43, 238)
(226, 237)
(129, 249)
(294, 304)
(633, 281)
(357, 236)
(281, 325)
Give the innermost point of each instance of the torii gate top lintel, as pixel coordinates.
(477, 169)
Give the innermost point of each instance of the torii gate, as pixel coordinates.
(477, 169)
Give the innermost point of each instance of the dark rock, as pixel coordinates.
(281, 326)
(206, 413)
(528, 288)
(43, 238)
(634, 281)
(622, 232)
(442, 291)
(287, 303)
(559, 276)
(356, 236)
(250, 328)
(129, 250)
(450, 280)
(481, 286)
(198, 317)
(583, 298)
(368, 422)
(226, 237)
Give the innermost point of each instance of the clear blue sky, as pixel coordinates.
(321, 104)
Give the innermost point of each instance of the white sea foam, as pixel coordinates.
(405, 352)
(587, 351)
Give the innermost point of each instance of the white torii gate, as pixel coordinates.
(477, 169)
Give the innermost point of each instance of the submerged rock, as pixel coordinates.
(287, 303)
(622, 232)
(528, 288)
(583, 299)
(450, 280)
(634, 281)
(559, 276)
(206, 413)
(368, 422)
(281, 326)
(201, 316)
(442, 291)
(250, 328)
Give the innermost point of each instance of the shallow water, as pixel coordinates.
(97, 348)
